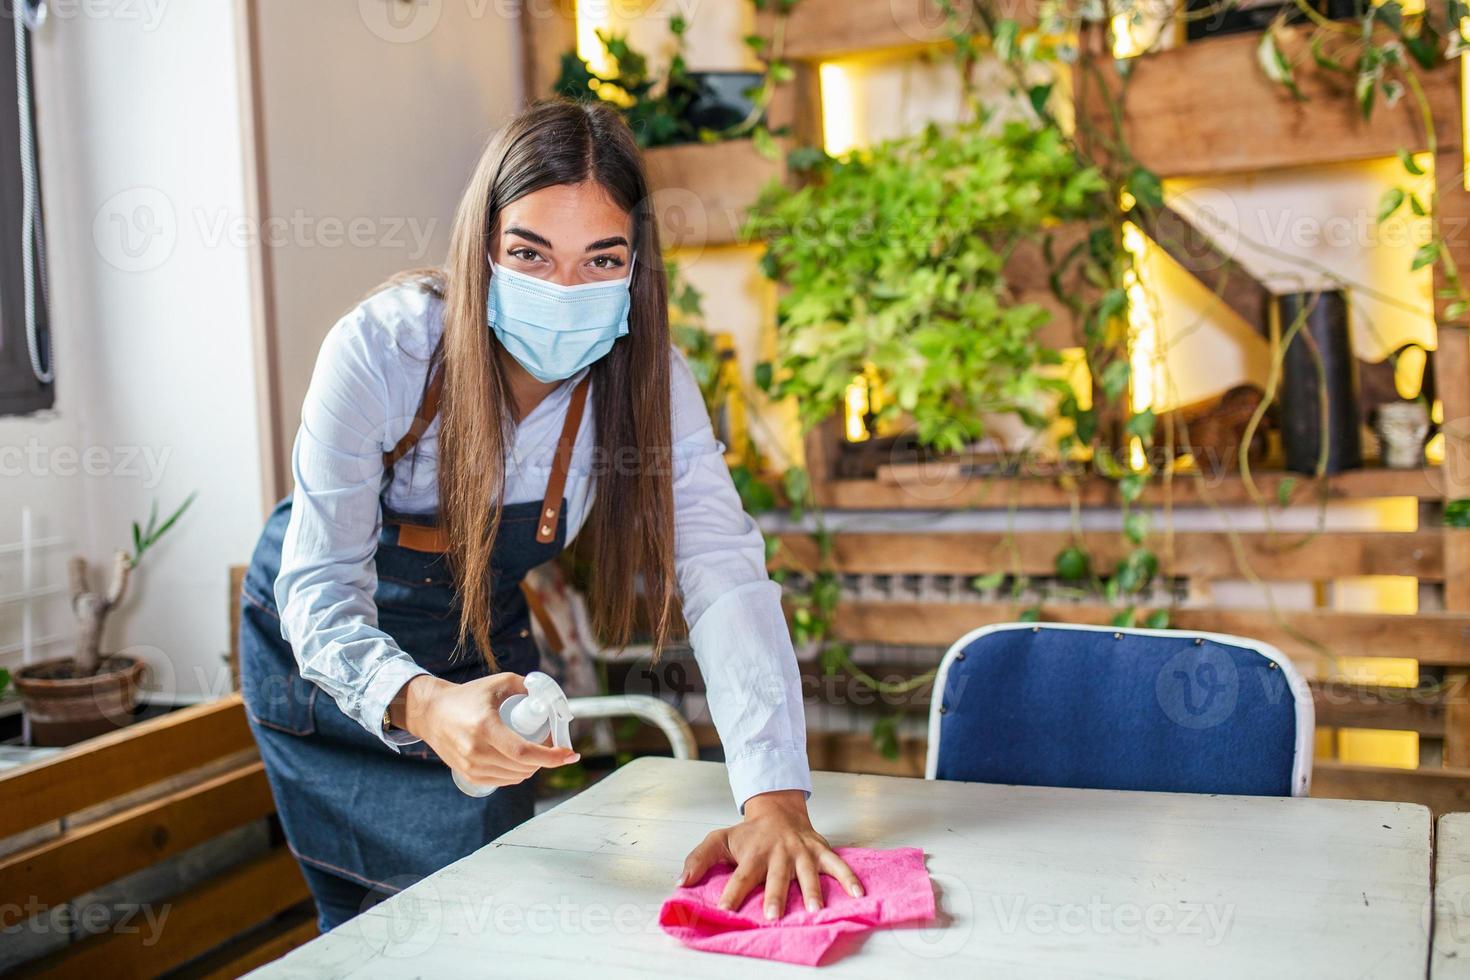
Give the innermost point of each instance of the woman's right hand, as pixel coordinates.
(461, 722)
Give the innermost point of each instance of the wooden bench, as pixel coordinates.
(126, 801)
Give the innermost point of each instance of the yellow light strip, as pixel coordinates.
(839, 109)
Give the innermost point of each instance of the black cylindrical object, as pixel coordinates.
(1324, 335)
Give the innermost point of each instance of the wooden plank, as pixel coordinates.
(855, 752)
(257, 947)
(1442, 790)
(237, 586)
(1454, 228)
(1431, 638)
(820, 30)
(1394, 709)
(701, 191)
(122, 761)
(548, 28)
(1198, 255)
(952, 484)
(1207, 108)
(86, 857)
(1204, 554)
(198, 921)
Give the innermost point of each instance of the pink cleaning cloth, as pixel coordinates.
(896, 889)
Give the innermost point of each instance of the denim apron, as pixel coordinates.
(350, 805)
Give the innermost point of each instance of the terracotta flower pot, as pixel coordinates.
(64, 709)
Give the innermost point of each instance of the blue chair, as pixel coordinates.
(1108, 708)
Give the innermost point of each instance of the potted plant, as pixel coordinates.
(68, 699)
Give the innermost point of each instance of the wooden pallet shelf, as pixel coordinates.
(1207, 108)
(823, 30)
(1284, 556)
(701, 191)
(951, 485)
(1434, 639)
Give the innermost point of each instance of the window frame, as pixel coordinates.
(21, 392)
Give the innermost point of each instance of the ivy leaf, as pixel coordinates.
(764, 374)
(1130, 487)
(765, 144)
(1284, 489)
(1135, 526)
(1457, 513)
(1031, 614)
(1274, 63)
(1142, 424)
(1389, 203)
(985, 583)
(1324, 60)
(1123, 617)
(1072, 564)
(1364, 89)
(1004, 38)
(1426, 255)
(885, 736)
(1039, 95)
(1456, 310)
(1417, 206)
(1146, 188)
(1115, 378)
(1157, 620)
(1410, 165)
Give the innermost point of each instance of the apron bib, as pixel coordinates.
(349, 804)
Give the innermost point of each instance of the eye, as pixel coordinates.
(525, 253)
(607, 262)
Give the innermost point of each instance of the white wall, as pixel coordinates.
(373, 115)
(139, 133)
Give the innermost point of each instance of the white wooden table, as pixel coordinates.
(1031, 883)
(1451, 955)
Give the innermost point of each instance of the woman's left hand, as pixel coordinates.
(774, 843)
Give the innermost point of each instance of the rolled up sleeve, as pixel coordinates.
(733, 609)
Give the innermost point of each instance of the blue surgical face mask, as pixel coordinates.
(554, 331)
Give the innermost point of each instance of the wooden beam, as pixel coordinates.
(199, 920)
(121, 761)
(701, 191)
(951, 483)
(89, 856)
(1431, 638)
(820, 30)
(1442, 790)
(1220, 274)
(1207, 108)
(1204, 554)
(548, 28)
(258, 947)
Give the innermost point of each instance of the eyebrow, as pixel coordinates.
(531, 236)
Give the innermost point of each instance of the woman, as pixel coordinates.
(443, 453)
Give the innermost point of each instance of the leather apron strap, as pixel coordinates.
(418, 537)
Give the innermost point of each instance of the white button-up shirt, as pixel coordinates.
(366, 387)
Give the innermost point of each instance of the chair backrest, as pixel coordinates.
(1114, 708)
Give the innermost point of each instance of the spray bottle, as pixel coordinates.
(543, 710)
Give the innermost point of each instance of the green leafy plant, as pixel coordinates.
(93, 607)
(894, 263)
(657, 109)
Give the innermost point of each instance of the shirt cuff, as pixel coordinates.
(380, 692)
(767, 772)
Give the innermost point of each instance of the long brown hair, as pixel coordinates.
(631, 522)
